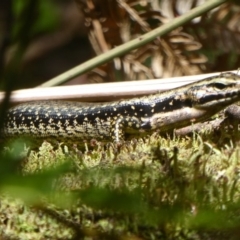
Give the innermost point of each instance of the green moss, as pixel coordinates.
(151, 188)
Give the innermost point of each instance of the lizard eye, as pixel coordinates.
(219, 85)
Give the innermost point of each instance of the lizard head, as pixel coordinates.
(215, 92)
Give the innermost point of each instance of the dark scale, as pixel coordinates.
(87, 121)
(171, 104)
(114, 120)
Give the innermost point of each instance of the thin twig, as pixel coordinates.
(103, 91)
(133, 44)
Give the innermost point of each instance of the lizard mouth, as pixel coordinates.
(219, 97)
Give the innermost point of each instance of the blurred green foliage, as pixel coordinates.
(151, 188)
(46, 17)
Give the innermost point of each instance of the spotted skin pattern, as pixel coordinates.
(112, 121)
